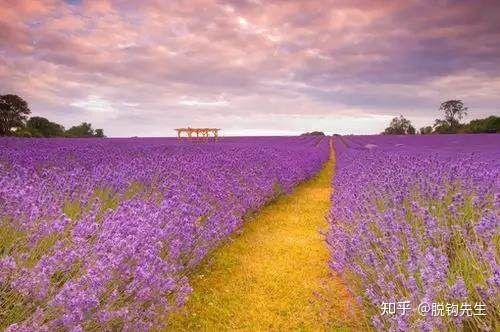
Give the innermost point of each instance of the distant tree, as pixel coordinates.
(443, 127)
(27, 132)
(490, 124)
(454, 111)
(45, 127)
(99, 133)
(314, 133)
(426, 130)
(13, 112)
(82, 130)
(399, 126)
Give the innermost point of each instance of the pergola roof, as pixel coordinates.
(196, 129)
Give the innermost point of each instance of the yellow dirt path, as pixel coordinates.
(274, 275)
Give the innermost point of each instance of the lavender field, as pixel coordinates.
(415, 219)
(249, 165)
(103, 234)
(107, 234)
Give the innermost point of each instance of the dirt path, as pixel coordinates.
(273, 276)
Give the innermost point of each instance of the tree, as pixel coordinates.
(314, 133)
(490, 124)
(426, 130)
(399, 126)
(82, 130)
(27, 132)
(99, 133)
(444, 127)
(45, 127)
(13, 112)
(454, 111)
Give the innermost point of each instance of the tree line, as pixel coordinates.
(454, 111)
(14, 121)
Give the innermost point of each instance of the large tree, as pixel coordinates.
(13, 112)
(454, 111)
(400, 126)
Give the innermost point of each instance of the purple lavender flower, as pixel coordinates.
(105, 231)
(410, 222)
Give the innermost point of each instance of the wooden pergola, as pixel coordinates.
(200, 132)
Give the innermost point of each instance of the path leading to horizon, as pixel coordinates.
(275, 274)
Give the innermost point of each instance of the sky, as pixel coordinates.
(249, 67)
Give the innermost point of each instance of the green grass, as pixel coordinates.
(275, 274)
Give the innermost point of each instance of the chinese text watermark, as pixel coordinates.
(435, 309)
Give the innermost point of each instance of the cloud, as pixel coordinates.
(281, 66)
(219, 102)
(95, 104)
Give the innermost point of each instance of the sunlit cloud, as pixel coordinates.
(194, 102)
(95, 104)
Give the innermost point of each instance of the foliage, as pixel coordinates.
(454, 111)
(99, 133)
(426, 130)
(314, 133)
(41, 127)
(490, 124)
(444, 127)
(82, 130)
(45, 127)
(27, 132)
(416, 220)
(13, 112)
(400, 126)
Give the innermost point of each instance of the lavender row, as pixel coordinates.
(102, 234)
(416, 220)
